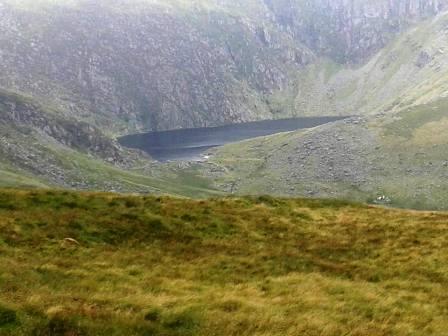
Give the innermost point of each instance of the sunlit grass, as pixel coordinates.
(103, 264)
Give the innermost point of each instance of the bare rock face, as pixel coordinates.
(151, 69)
(350, 30)
(127, 66)
(23, 113)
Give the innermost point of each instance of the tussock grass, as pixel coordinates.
(224, 266)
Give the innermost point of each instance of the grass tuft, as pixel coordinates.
(7, 316)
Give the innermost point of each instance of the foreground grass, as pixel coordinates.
(232, 266)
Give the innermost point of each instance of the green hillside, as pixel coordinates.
(396, 148)
(8, 178)
(401, 156)
(40, 148)
(103, 264)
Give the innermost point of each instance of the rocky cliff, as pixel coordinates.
(25, 114)
(350, 30)
(157, 68)
(128, 66)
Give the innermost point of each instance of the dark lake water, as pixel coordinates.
(190, 144)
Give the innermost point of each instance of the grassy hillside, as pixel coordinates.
(40, 147)
(9, 178)
(103, 264)
(401, 156)
(410, 70)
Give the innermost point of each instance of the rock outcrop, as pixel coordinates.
(125, 66)
(24, 113)
(151, 69)
(350, 30)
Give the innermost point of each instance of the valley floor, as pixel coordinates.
(107, 264)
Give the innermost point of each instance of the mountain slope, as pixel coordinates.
(410, 70)
(103, 264)
(127, 66)
(39, 146)
(149, 66)
(10, 177)
(293, 163)
(398, 149)
(403, 158)
(78, 73)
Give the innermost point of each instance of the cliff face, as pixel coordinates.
(152, 69)
(350, 31)
(129, 66)
(27, 116)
